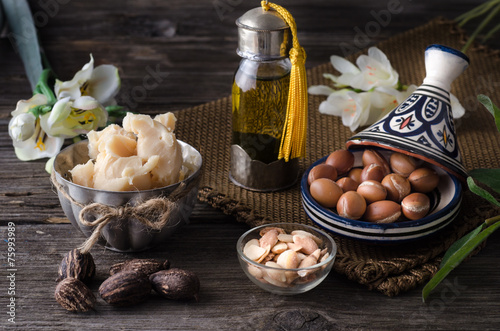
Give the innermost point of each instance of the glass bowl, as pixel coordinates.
(272, 277)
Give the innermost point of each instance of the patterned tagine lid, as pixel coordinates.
(422, 126)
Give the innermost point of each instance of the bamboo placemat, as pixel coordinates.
(389, 269)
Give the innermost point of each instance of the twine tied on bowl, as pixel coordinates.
(153, 213)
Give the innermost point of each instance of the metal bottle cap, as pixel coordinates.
(263, 35)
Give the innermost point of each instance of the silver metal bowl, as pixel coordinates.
(124, 234)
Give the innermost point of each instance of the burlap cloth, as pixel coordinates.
(389, 269)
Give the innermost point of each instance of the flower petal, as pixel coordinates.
(104, 83)
(59, 113)
(320, 90)
(335, 103)
(456, 107)
(85, 103)
(399, 95)
(342, 65)
(50, 164)
(39, 146)
(360, 112)
(379, 56)
(71, 88)
(376, 71)
(22, 127)
(381, 105)
(23, 106)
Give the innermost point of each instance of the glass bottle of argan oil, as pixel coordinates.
(259, 103)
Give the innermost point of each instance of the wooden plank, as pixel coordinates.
(191, 45)
(229, 301)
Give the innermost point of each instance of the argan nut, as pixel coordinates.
(146, 266)
(73, 295)
(415, 206)
(322, 171)
(372, 172)
(176, 284)
(351, 205)
(270, 238)
(342, 160)
(289, 259)
(397, 187)
(307, 243)
(372, 156)
(424, 180)
(347, 184)
(307, 234)
(355, 174)
(384, 211)
(76, 264)
(326, 192)
(271, 228)
(402, 164)
(372, 191)
(125, 288)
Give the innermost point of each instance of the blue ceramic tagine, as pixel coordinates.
(422, 126)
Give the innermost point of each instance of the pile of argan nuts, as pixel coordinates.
(382, 191)
(130, 282)
(276, 249)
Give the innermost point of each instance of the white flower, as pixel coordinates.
(378, 87)
(101, 83)
(70, 118)
(373, 70)
(29, 139)
(354, 108)
(22, 127)
(359, 109)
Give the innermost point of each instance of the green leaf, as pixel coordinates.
(460, 243)
(455, 259)
(24, 38)
(494, 110)
(489, 177)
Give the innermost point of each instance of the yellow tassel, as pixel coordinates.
(293, 140)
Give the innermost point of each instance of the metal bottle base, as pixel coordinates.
(261, 177)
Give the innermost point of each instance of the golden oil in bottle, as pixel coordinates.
(259, 104)
(259, 110)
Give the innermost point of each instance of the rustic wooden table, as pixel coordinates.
(190, 44)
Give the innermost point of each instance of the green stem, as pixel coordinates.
(475, 12)
(491, 33)
(493, 220)
(43, 86)
(481, 27)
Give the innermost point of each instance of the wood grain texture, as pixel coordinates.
(188, 48)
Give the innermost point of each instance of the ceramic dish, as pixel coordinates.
(445, 206)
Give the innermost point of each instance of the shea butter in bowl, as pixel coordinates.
(124, 234)
(133, 219)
